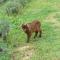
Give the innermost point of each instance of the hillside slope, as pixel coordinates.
(45, 48)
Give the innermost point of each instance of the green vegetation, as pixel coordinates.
(23, 11)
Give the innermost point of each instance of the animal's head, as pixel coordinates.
(24, 27)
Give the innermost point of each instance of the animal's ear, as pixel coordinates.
(23, 26)
(28, 27)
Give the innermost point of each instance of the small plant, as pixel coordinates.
(16, 6)
(4, 29)
(2, 1)
(13, 8)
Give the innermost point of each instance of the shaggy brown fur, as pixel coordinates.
(29, 28)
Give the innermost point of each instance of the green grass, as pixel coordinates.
(48, 46)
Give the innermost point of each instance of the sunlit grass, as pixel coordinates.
(48, 46)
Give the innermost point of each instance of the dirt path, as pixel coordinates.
(23, 53)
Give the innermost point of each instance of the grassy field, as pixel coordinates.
(45, 48)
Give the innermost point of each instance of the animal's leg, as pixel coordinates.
(0, 34)
(28, 37)
(40, 33)
(35, 34)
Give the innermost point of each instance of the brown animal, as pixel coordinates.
(29, 28)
